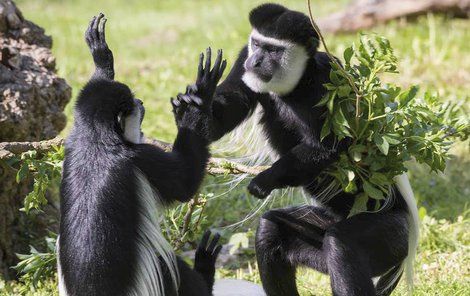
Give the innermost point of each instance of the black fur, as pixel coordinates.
(277, 21)
(351, 250)
(99, 201)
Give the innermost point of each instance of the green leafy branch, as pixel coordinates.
(388, 125)
(45, 169)
(38, 266)
(184, 221)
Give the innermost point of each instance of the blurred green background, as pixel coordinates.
(156, 45)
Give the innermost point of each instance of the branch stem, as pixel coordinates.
(335, 61)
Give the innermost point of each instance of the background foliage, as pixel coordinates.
(156, 46)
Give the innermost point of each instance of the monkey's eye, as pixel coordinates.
(254, 43)
(275, 49)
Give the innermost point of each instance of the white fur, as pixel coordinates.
(293, 63)
(403, 184)
(151, 243)
(231, 287)
(62, 290)
(132, 131)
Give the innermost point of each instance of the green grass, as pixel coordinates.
(156, 46)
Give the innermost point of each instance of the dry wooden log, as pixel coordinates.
(363, 14)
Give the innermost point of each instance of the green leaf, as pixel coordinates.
(323, 100)
(348, 53)
(331, 101)
(360, 205)
(405, 97)
(325, 130)
(351, 188)
(379, 179)
(22, 173)
(372, 191)
(334, 78)
(342, 119)
(330, 86)
(381, 143)
(344, 90)
(392, 139)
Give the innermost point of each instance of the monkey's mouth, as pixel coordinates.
(263, 76)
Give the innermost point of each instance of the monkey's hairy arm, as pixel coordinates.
(180, 172)
(298, 167)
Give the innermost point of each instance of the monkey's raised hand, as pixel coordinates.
(102, 55)
(206, 255)
(202, 92)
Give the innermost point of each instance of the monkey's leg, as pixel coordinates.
(287, 238)
(364, 246)
(102, 55)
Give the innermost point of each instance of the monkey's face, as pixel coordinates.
(131, 121)
(273, 65)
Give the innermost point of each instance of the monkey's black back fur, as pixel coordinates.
(105, 191)
(99, 201)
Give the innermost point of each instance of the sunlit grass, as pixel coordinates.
(156, 46)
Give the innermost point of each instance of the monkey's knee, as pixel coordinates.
(336, 247)
(347, 265)
(268, 235)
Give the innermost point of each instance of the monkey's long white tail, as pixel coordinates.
(231, 287)
(404, 186)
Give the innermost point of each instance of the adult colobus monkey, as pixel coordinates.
(114, 189)
(281, 70)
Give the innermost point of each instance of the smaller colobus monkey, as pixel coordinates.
(114, 188)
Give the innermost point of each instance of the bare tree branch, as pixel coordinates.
(215, 166)
(10, 149)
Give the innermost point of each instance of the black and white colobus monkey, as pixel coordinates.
(281, 70)
(114, 189)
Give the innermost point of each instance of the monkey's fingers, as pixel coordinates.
(101, 31)
(204, 240)
(94, 30)
(200, 69)
(88, 34)
(191, 89)
(222, 69)
(195, 99)
(175, 103)
(217, 251)
(184, 98)
(213, 243)
(208, 62)
(215, 69)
